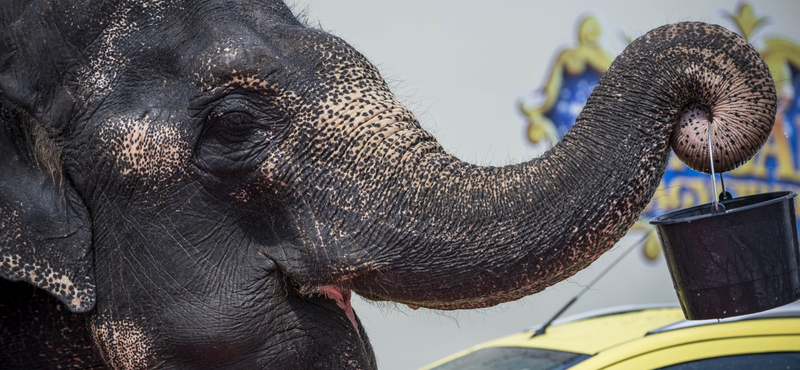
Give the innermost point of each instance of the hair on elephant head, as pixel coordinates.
(203, 184)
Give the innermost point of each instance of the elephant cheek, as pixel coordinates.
(262, 185)
(149, 150)
(122, 343)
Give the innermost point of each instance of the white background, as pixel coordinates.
(462, 67)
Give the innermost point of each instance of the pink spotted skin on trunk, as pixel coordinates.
(342, 298)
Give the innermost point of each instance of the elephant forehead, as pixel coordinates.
(107, 57)
(144, 147)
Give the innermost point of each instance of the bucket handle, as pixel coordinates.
(711, 158)
(717, 207)
(724, 195)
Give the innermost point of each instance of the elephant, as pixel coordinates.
(205, 184)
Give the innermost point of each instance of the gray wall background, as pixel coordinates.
(462, 67)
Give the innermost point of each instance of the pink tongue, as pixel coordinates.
(342, 298)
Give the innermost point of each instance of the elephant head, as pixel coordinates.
(204, 183)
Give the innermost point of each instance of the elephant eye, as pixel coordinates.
(233, 127)
(236, 138)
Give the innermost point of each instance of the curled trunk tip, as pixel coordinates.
(730, 87)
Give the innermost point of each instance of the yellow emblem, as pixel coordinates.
(588, 54)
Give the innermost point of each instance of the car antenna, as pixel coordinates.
(544, 327)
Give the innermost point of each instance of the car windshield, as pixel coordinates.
(514, 358)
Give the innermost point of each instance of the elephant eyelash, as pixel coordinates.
(234, 126)
(261, 109)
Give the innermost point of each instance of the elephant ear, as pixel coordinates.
(45, 231)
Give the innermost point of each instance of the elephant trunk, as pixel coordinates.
(447, 234)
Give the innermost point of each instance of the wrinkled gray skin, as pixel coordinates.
(202, 184)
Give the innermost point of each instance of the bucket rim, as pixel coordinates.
(664, 219)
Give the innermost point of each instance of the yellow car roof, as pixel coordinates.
(587, 333)
(592, 335)
(620, 332)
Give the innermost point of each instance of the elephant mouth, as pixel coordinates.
(342, 298)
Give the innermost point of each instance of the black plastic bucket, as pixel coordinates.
(734, 262)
